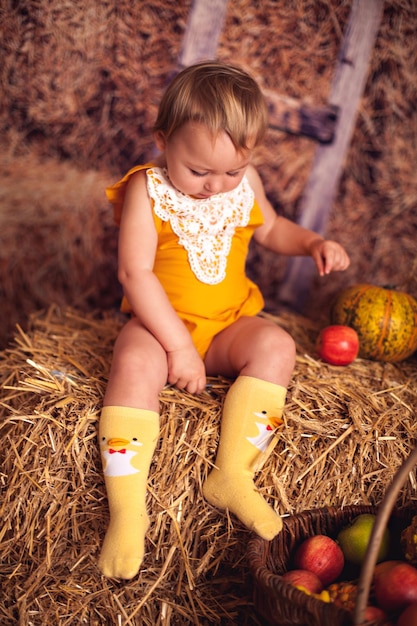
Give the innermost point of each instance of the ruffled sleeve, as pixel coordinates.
(116, 193)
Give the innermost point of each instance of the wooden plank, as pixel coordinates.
(301, 118)
(347, 88)
(204, 26)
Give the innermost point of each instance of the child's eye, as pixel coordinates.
(194, 173)
(233, 174)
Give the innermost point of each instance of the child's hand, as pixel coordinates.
(186, 369)
(329, 256)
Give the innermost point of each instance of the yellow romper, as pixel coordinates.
(201, 253)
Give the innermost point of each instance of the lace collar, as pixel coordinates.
(205, 227)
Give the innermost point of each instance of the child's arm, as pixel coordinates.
(146, 296)
(288, 238)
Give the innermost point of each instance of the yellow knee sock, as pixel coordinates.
(252, 410)
(127, 440)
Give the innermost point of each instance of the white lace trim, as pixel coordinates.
(204, 227)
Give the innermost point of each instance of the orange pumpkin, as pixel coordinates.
(385, 320)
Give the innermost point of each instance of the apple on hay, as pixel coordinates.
(337, 344)
(321, 555)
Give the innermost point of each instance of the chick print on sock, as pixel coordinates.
(251, 413)
(119, 456)
(127, 441)
(266, 431)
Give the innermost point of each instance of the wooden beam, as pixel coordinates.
(301, 118)
(346, 91)
(204, 26)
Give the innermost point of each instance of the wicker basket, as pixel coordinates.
(283, 605)
(280, 603)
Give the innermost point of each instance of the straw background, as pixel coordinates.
(80, 85)
(346, 431)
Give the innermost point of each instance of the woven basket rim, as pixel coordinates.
(282, 603)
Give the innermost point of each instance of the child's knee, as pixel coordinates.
(277, 343)
(288, 346)
(137, 362)
(274, 351)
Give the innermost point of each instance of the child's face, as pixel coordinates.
(201, 165)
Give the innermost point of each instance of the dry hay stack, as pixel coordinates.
(57, 240)
(82, 79)
(346, 431)
(81, 82)
(374, 214)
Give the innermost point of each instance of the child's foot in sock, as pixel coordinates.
(123, 548)
(238, 494)
(127, 441)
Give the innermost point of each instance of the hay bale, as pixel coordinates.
(107, 66)
(57, 240)
(346, 432)
(82, 81)
(78, 76)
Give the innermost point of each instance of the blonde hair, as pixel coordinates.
(220, 96)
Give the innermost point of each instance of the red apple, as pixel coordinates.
(303, 578)
(396, 587)
(338, 345)
(383, 567)
(374, 614)
(409, 616)
(322, 556)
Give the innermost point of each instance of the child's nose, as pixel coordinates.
(213, 185)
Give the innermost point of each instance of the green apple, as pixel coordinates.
(354, 539)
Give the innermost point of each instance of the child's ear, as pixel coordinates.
(160, 141)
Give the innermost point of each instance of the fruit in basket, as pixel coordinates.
(343, 594)
(354, 539)
(385, 320)
(408, 617)
(383, 567)
(303, 579)
(337, 344)
(375, 614)
(322, 556)
(409, 541)
(396, 587)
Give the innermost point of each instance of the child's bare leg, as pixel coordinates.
(138, 371)
(128, 432)
(253, 346)
(262, 356)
